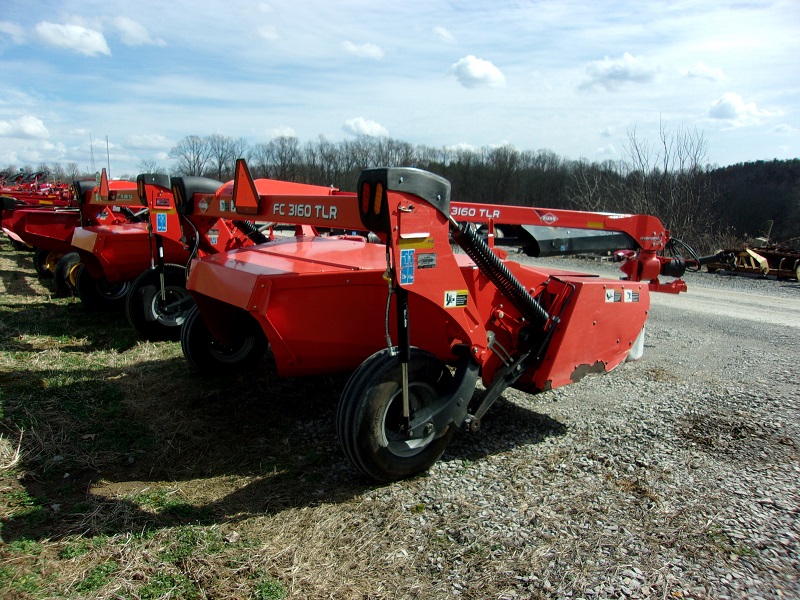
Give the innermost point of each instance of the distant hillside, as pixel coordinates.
(754, 193)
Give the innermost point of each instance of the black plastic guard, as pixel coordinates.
(158, 179)
(374, 183)
(184, 189)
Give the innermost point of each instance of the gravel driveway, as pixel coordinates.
(675, 476)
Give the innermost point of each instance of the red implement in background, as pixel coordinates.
(157, 302)
(48, 230)
(30, 190)
(419, 323)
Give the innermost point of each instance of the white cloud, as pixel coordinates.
(283, 131)
(611, 73)
(473, 72)
(268, 33)
(364, 50)
(27, 126)
(362, 126)
(12, 30)
(82, 40)
(80, 132)
(147, 141)
(444, 35)
(606, 151)
(607, 132)
(784, 128)
(133, 33)
(731, 107)
(703, 71)
(461, 147)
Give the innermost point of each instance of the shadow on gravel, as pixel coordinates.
(152, 445)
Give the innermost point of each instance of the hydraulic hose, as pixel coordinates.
(251, 231)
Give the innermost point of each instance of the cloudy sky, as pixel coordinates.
(574, 77)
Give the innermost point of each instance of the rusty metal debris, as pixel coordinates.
(774, 261)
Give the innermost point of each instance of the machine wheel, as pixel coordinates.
(44, 262)
(151, 316)
(65, 274)
(98, 294)
(209, 357)
(369, 420)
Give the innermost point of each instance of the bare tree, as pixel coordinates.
(192, 154)
(149, 165)
(394, 153)
(57, 172)
(223, 152)
(73, 171)
(323, 163)
(670, 180)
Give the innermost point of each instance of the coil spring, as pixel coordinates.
(251, 231)
(491, 266)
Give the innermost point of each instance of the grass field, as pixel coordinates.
(126, 475)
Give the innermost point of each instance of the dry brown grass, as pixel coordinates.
(134, 478)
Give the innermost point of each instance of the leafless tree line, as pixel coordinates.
(669, 178)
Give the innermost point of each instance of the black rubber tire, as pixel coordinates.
(146, 312)
(370, 409)
(41, 260)
(98, 294)
(65, 273)
(210, 358)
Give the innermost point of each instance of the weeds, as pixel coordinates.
(134, 479)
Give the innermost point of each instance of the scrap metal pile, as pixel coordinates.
(767, 260)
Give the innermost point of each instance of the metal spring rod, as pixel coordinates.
(489, 264)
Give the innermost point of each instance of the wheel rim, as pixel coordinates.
(392, 437)
(72, 274)
(113, 291)
(225, 354)
(171, 313)
(52, 261)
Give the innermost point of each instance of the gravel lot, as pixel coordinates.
(676, 476)
(673, 477)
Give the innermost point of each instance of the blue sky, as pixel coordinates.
(569, 76)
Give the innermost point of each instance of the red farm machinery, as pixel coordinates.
(30, 190)
(47, 229)
(143, 264)
(415, 322)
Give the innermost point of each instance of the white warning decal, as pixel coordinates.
(631, 296)
(455, 298)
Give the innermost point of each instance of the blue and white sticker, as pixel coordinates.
(161, 223)
(407, 266)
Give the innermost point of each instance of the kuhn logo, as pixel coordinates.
(549, 218)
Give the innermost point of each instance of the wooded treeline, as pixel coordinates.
(707, 207)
